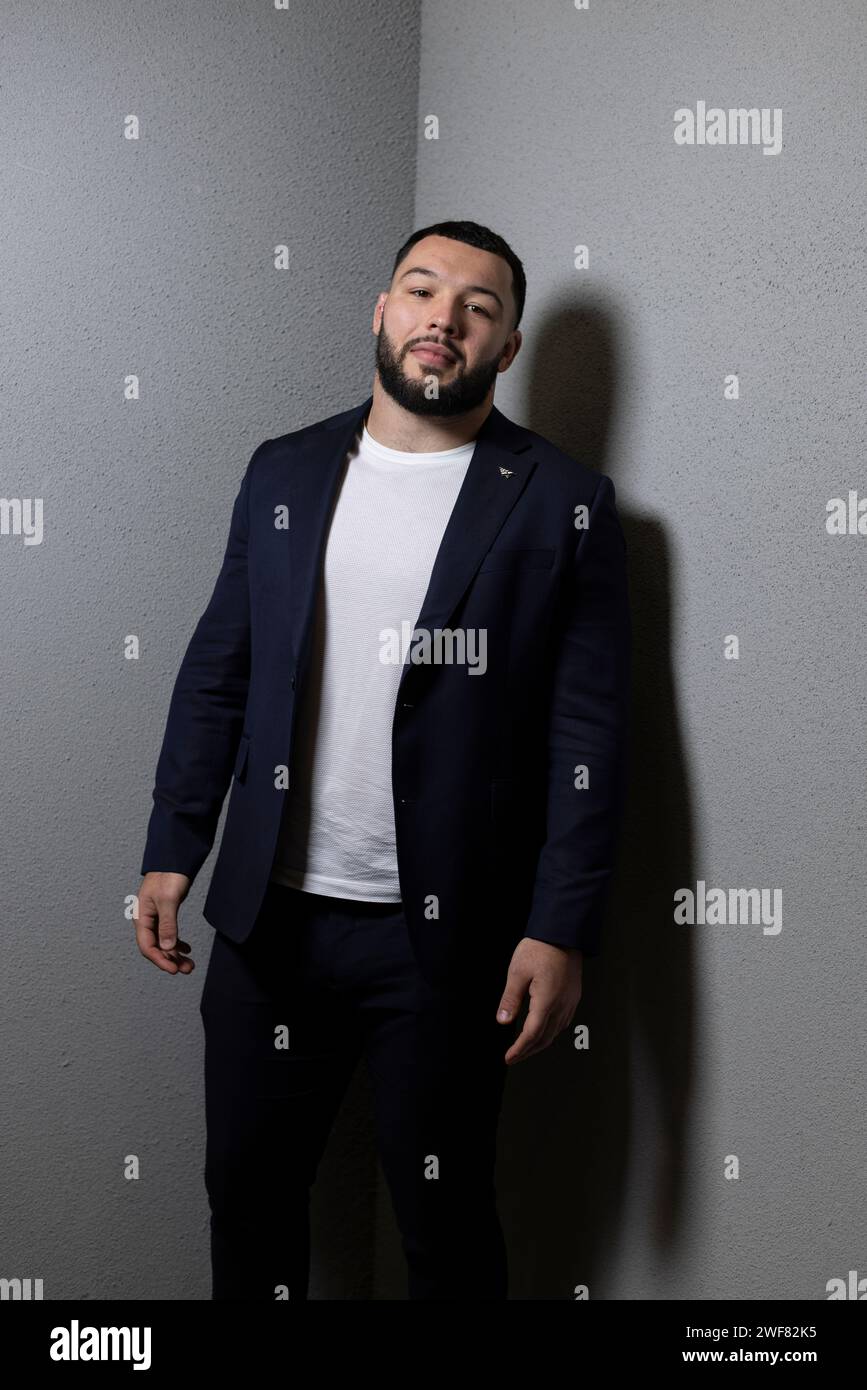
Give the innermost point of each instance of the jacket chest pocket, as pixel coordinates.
(517, 558)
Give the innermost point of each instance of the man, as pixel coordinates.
(416, 663)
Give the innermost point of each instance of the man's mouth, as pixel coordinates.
(433, 355)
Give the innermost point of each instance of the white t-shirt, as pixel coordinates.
(337, 834)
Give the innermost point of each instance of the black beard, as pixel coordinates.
(467, 391)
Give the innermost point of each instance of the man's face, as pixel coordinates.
(460, 298)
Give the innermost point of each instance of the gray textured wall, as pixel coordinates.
(154, 257)
(556, 128)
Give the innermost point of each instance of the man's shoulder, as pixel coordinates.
(274, 453)
(328, 422)
(556, 465)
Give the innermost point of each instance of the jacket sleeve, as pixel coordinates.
(206, 715)
(588, 725)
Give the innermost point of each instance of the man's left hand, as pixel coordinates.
(553, 974)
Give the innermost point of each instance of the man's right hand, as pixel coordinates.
(156, 927)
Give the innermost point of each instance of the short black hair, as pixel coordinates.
(474, 235)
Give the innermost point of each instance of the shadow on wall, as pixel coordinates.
(564, 1143)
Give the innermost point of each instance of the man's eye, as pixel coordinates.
(482, 310)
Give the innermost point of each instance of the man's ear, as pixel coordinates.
(506, 361)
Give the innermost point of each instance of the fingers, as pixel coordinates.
(517, 979)
(553, 975)
(157, 935)
(541, 1026)
(531, 1039)
(174, 962)
(178, 958)
(167, 923)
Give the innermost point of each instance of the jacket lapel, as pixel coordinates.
(486, 497)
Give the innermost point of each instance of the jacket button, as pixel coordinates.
(292, 682)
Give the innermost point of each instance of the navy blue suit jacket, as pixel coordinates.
(499, 833)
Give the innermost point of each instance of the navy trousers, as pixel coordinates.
(336, 980)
